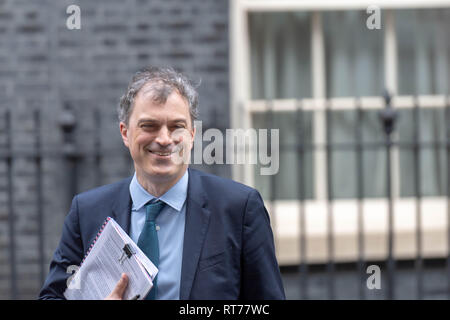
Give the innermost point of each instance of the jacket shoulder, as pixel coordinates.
(104, 192)
(226, 187)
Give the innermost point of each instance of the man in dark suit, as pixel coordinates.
(214, 239)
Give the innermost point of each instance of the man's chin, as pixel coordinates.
(164, 174)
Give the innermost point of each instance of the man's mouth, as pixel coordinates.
(162, 153)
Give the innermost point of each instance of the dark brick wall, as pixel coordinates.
(44, 66)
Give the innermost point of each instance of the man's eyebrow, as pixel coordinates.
(180, 120)
(154, 121)
(145, 120)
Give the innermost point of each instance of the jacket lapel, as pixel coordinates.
(121, 209)
(197, 220)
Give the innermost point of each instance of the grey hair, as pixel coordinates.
(163, 80)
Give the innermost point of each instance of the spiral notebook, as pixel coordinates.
(112, 253)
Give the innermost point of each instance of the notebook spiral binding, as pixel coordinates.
(95, 239)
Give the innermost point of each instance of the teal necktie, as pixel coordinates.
(148, 240)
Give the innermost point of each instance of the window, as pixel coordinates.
(423, 51)
(314, 70)
(286, 182)
(353, 55)
(281, 57)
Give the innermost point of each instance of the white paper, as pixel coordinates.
(103, 266)
(140, 255)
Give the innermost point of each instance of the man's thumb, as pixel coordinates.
(119, 290)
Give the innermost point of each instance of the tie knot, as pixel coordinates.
(153, 209)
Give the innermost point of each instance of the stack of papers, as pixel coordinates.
(112, 253)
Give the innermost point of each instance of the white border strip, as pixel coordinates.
(316, 5)
(400, 102)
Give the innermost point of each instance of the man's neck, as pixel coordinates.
(157, 187)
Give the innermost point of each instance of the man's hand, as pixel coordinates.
(119, 290)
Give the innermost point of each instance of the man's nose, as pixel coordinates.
(164, 138)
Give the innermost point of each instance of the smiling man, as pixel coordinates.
(209, 237)
(158, 130)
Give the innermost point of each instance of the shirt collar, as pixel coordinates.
(174, 197)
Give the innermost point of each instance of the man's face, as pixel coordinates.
(159, 136)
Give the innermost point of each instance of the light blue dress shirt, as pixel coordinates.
(170, 227)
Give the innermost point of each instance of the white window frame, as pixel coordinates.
(284, 220)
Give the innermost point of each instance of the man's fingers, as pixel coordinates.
(121, 285)
(119, 290)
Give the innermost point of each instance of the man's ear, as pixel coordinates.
(124, 133)
(193, 136)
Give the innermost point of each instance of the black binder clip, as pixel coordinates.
(127, 253)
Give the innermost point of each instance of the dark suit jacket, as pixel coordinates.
(228, 248)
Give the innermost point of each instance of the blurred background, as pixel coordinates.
(359, 91)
